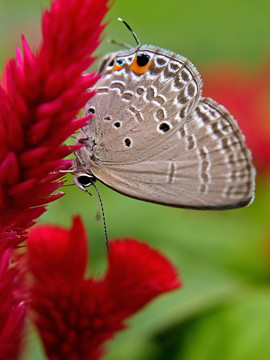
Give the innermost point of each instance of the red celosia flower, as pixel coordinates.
(247, 96)
(74, 315)
(12, 304)
(41, 95)
(44, 92)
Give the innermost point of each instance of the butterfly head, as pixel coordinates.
(83, 180)
(83, 176)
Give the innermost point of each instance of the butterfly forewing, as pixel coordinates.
(142, 97)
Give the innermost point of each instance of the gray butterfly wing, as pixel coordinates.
(137, 107)
(204, 165)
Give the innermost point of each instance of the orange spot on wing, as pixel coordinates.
(118, 67)
(115, 68)
(139, 69)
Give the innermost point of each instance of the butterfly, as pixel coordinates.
(154, 137)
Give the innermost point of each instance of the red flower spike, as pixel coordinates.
(247, 97)
(43, 93)
(12, 306)
(76, 316)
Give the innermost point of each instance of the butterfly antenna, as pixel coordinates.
(132, 32)
(66, 185)
(119, 44)
(103, 218)
(97, 211)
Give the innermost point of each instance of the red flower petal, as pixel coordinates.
(53, 250)
(12, 305)
(9, 169)
(143, 274)
(75, 316)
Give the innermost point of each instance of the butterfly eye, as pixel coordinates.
(85, 180)
(143, 59)
(120, 62)
(91, 110)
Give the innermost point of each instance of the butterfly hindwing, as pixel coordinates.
(204, 165)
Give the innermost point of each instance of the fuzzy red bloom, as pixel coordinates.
(74, 315)
(247, 96)
(40, 97)
(43, 93)
(12, 305)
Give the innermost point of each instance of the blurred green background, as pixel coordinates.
(223, 310)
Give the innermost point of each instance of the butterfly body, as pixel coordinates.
(154, 137)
